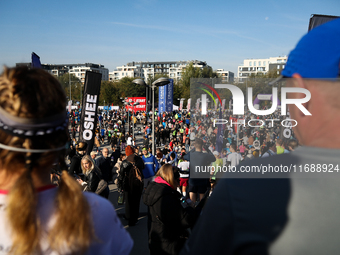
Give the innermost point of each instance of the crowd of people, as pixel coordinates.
(296, 214)
(183, 140)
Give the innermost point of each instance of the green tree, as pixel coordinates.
(199, 75)
(128, 89)
(68, 81)
(108, 93)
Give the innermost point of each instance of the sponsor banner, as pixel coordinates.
(35, 61)
(219, 136)
(136, 108)
(317, 20)
(189, 104)
(181, 104)
(169, 96)
(162, 99)
(88, 120)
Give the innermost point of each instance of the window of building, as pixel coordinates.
(278, 72)
(278, 66)
(250, 63)
(254, 63)
(264, 63)
(283, 66)
(259, 63)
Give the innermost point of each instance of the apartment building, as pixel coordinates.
(226, 76)
(149, 69)
(254, 66)
(77, 70)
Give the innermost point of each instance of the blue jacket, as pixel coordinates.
(151, 166)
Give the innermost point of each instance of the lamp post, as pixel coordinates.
(69, 83)
(133, 119)
(126, 104)
(157, 83)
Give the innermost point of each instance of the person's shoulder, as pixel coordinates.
(100, 159)
(99, 204)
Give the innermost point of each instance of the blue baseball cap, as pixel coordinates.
(317, 54)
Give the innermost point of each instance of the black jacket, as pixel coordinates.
(124, 182)
(75, 167)
(105, 167)
(92, 180)
(168, 220)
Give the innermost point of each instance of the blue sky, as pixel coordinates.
(113, 33)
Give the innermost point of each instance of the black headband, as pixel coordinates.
(25, 127)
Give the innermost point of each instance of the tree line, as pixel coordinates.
(111, 92)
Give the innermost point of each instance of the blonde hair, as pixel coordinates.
(167, 174)
(36, 94)
(89, 159)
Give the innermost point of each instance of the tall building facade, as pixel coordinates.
(173, 69)
(254, 66)
(77, 70)
(226, 76)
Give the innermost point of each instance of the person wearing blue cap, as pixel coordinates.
(289, 204)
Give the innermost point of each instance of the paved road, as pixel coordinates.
(139, 232)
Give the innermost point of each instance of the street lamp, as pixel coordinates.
(142, 82)
(157, 83)
(126, 104)
(133, 119)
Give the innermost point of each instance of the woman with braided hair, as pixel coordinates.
(36, 217)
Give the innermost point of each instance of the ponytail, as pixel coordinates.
(22, 198)
(73, 226)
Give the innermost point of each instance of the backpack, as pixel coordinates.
(133, 179)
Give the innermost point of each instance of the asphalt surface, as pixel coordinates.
(138, 232)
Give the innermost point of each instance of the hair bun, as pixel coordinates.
(81, 146)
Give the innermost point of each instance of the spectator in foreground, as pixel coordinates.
(167, 219)
(295, 213)
(70, 221)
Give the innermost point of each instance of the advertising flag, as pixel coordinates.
(35, 61)
(169, 96)
(181, 104)
(162, 99)
(189, 104)
(88, 120)
(198, 104)
(219, 136)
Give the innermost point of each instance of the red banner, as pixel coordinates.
(140, 107)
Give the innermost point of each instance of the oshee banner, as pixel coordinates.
(88, 120)
(136, 108)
